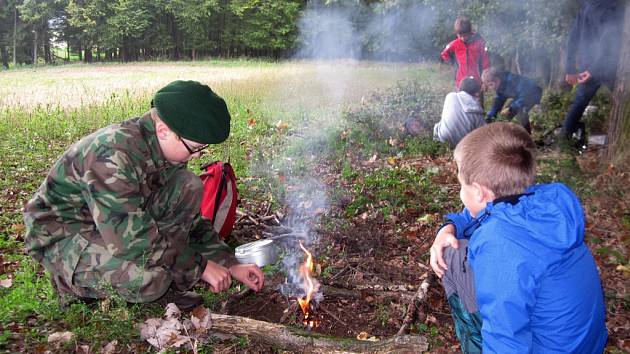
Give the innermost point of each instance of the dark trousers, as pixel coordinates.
(459, 285)
(583, 95)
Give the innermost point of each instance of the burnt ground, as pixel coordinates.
(370, 265)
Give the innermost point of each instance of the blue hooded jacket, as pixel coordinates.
(536, 282)
(593, 42)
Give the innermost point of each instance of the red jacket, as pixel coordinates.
(470, 57)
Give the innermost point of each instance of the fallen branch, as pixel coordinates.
(415, 303)
(335, 292)
(302, 341)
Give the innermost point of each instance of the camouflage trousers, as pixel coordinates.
(98, 274)
(458, 282)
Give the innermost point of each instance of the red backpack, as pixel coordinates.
(219, 199)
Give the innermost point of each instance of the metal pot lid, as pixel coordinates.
(253, 247)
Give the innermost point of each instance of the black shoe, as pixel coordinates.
(185, 300)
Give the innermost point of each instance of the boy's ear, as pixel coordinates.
(161, 130)
(482, 193)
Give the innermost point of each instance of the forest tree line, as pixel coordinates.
(529, 35)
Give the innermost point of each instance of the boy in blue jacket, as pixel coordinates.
(516, 271)
(524, 92)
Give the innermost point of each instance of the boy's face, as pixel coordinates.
(492, 85)
(471, 196)
(175, 149)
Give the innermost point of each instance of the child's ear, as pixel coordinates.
(161, 130)
(482, 193)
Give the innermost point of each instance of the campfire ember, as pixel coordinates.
(306, 269)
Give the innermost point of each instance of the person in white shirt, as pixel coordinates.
(461, 113)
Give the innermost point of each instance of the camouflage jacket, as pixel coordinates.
(97, 192)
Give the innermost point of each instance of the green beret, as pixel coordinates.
(193, 112)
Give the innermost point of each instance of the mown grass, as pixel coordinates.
(45, 110)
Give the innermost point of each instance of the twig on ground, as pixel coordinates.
(289, 311)
(340, 272)
(333, 316)
(253, 220)
(415, 303)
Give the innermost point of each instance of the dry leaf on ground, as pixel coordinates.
(58, 339)
(6, 283)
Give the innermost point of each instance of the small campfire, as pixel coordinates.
(302, 287)
(306, 269)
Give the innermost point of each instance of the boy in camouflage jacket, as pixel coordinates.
(119, 210)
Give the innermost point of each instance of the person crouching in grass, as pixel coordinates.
(119, 212)
(517, 273)
(523, 91)
(461, 113)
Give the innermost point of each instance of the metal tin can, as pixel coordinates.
(261, 252)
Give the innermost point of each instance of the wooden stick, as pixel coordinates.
(415, 303)
(297, 340)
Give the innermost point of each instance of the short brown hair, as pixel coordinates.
(462, 25)
(470, 86)
(500, 156)
(491, 74)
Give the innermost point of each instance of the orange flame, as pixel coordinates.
(306, 269)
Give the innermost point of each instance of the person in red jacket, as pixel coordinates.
(467, 52)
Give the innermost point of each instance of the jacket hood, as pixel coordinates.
(469, 103)
(551, 214)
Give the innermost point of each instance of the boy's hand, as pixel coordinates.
(217, 276)
(506, 112)
(584, 77)
(445, 238)
(249, 274)
(571, 79)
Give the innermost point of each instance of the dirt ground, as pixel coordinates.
(374, 266)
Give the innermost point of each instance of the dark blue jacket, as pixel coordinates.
(536, 281)
(595, 39)
(523, 91)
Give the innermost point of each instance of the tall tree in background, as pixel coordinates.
(619, 127)
(128, 23)
(38, 14)
(7, 14)
(193, 19)
(268, 26)
(89, 18)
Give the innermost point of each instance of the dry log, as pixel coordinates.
(336, 292)
(301, 341)
(415, 303)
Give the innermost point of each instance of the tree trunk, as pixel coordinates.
(87, 57)
(35, 49)
(14, 36)
(4, 54)
(46, 42)
(619, 128)
(301, 341)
